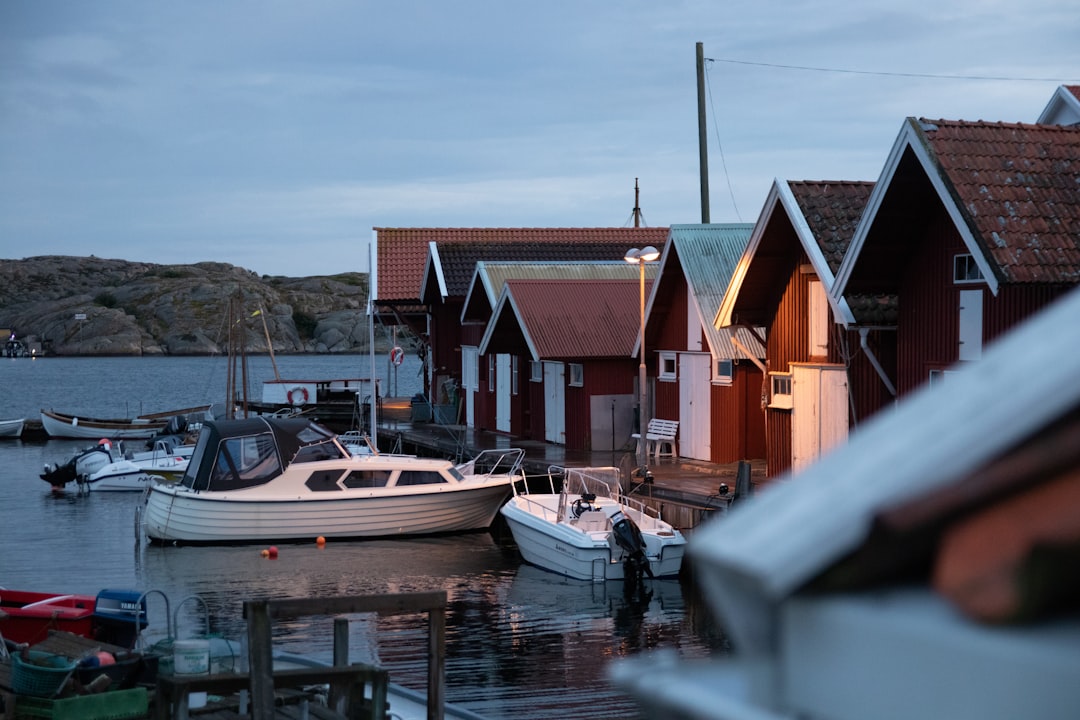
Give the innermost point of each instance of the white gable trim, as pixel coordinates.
(507, 303)
(724, 314)
(911, 136)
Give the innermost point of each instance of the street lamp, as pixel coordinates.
(639, 257)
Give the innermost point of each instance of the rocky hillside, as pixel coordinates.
(93, 306)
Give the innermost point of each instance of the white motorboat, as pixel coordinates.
(108, 466)
(589, 530)
(280, 479)
(11, 428)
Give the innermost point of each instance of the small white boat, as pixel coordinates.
(11, 428)
(589, 530)
(268, 478)
(62, 425)
(108, 466)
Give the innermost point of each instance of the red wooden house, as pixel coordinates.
(973, 227)
(413, 287)
(820, 380)
(699, 375)
(493, 404)
(572, 372)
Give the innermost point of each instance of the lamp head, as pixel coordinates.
(649, 254)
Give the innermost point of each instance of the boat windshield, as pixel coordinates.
(239, 462)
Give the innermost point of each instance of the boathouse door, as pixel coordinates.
(555, 402)
(694, 382)
(819, 411)
(502, 392)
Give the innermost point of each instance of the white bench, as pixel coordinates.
(660, 438)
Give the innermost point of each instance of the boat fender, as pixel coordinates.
(297, 396)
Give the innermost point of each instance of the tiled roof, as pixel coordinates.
(576, 318)
(459, 259)
(402, 252)
(1018, 186)
(832, 210)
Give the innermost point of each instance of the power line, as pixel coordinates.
(723, 161)
(886, 74)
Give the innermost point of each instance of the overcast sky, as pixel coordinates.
(275, 135)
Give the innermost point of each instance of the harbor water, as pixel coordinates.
(520, 642)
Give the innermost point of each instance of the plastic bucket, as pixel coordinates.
(191, 657)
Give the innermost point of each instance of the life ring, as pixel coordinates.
(397, 355)
(297, 396)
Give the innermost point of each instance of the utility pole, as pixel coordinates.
(637, 205)
(703, 149)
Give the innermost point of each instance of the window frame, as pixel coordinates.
(969, 264)
(780, 391)
(665, 358)
(575, 374)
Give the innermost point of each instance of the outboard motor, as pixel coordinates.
(119, 616)
(628, 537)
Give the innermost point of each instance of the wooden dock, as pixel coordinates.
(355, 691)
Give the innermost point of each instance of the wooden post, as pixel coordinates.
(436, 661)
(260, 659)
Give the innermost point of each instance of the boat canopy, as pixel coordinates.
(235, 454)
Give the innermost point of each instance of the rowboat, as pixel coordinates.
(62, 425)
(11, 428)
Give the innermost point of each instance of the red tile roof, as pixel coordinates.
(832, 210)
(578, 318)
(402, 252)
(1019, 188)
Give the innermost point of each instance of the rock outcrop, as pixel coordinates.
(95, 306)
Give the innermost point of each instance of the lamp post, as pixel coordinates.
(639, 257)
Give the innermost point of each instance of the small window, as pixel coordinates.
(514, 372)
(367, 479)
(577, 375)
(667, 367)
(420, 477)
(491, 373)
(536, 371)
(324, 481)
(780, 384)
(723, 371)
(965, 269)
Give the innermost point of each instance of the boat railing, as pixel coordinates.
(495, 461)
(601, 482)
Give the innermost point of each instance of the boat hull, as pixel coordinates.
(65, 426)
(566, 550)
(11, 428)
(176, 514)
(27, 617)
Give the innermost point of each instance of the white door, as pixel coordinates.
(502, 392)
(694, 426)
(970, 325)
(819, 411)
(555, 402)
(470, 374)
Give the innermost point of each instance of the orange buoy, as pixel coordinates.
(320, 541)
(265, 553)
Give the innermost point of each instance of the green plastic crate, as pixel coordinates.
(111, 705)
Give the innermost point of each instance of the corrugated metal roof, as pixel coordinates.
(569, 319)
(489, 278)
(708, 255)
(1018, 187)
(402, 252)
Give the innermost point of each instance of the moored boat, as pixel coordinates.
(63, 425)
(114, 616)
(11, 428)
(107, 466)
(280, 479)
(589, 530)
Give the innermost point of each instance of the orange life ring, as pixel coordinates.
(397, 355)
(298, 395)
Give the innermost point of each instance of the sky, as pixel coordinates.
(276, 135)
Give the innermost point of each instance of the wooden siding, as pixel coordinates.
(446, 339)
(778, 438)
(600, 377)
(738, 422)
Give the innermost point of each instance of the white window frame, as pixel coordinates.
(780, 391)
(962, 276)
(577, 374)
(723, 371)
(491, 372)
(514, 373)
(667, 366)
(536, 371)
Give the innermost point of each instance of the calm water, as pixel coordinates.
(521, 643)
